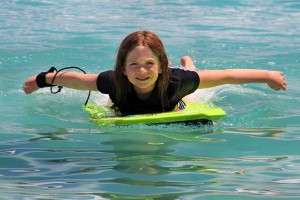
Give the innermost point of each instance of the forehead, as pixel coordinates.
(141, 52)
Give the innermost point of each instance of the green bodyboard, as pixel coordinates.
(104, 115)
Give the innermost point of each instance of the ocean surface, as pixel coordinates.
(49, 149)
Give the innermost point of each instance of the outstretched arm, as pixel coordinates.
(211, 78)
(73, 80)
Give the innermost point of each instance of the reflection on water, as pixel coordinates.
(259, 132)
(135, 164)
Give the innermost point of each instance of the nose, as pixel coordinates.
(142, 68)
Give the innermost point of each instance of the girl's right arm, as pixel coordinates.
(74, 80)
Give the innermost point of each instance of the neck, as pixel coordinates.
(142, 93)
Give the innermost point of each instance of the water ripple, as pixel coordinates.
(50, 150)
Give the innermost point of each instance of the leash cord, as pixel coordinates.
(53, 69)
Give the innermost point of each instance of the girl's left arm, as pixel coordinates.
(211, 78)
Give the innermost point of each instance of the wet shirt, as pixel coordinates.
(181, 83)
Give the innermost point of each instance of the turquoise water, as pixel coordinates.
(50, 150)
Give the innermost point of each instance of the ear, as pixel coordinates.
(124, 72)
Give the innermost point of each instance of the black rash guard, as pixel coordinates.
(181, 83)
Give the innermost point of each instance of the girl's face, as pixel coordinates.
(142, 69)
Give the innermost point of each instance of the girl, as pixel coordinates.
(142, 82)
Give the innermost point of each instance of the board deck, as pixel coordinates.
(104, 115)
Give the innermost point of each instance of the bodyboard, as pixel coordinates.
(104, 115)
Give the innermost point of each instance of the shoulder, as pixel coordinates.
(106, 76)
(183, 74)
(104, 80)
(182, 82)
(181, 70)
(108, 73)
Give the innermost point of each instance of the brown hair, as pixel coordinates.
(150, 40)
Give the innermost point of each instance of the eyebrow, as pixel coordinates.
(148, 59)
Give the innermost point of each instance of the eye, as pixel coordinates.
(150, 63)
(133, 64)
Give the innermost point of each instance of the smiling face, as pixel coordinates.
(142, 68)
(146, 46)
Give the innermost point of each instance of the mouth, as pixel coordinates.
(142, 79)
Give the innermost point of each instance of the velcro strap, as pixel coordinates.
(41, 78)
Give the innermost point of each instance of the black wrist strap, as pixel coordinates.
(41, 78)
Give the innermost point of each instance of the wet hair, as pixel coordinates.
(151, 41)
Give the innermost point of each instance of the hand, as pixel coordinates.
(277, 81)
(30, 85)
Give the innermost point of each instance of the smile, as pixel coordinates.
(142, 79)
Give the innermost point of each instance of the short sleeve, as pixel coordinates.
(105, 82)
(187, 81)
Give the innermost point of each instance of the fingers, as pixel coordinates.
(277, 81)
(30, 85)
(26, 89)
(284, 84)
